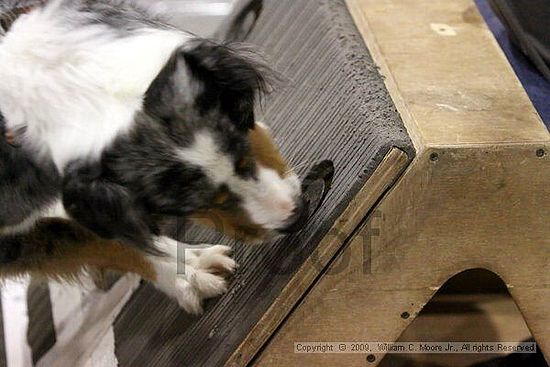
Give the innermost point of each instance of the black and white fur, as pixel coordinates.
(124, 120)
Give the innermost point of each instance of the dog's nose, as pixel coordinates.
(315, 187)
(299, 217)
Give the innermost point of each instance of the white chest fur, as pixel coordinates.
(76, 87)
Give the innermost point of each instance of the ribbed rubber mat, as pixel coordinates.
(41, 330)
(335, 107)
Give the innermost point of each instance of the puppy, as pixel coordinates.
(123, 121)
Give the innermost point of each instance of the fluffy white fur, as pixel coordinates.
(269, 201)
(191, 275)
(74, 87)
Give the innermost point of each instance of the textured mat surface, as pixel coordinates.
(336, 107)
(41, 331)
(536, 86)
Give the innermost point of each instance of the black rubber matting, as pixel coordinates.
(41, 330)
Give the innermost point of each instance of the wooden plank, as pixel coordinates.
(447, 75)
(470, 208)
(381, 180)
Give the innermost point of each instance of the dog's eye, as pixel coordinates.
(243, 163)
(221, 198)
(245, 166)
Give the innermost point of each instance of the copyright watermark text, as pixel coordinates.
(415, 347)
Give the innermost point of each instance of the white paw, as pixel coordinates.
(214, 258)
(202, 275)
(199, 275)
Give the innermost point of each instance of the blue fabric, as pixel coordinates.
(536, 86)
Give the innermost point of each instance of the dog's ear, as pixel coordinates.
(172, 91)
(105, 208)
(207, 75)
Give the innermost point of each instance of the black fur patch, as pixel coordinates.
(229, 77)
(24, 185)
(232, 76)
(10, 249)
(103, 206)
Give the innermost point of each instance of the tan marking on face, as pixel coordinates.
(266, 152)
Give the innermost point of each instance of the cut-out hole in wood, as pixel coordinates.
(472, 306)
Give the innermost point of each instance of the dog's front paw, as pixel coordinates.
(200, 274)
(211, 259)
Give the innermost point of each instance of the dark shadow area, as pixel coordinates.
(473, 306)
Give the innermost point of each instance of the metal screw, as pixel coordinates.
(434, 157)
(405, 315)
(541, 153)
(371, 358)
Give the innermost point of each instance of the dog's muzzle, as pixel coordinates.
(315, 188)
(299, 217)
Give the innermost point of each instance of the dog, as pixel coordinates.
(115, 121)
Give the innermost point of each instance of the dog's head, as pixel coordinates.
(214, 163)
(246, 187)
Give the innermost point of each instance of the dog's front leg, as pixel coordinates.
(198, 273)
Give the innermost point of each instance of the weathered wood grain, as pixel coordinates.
(476, 195)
